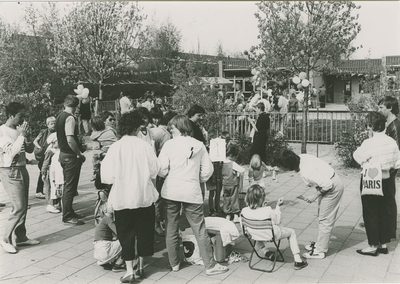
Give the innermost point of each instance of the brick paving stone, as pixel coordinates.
(170, 279)
(204, 279)
(362, 278)
(392, 278)
(334, 278)
(50, 262)
(81, 262)
(188, 273)
(44, 280)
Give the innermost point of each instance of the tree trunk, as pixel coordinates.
(96, 111)
(305, 117)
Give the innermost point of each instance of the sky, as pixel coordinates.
(232, 23)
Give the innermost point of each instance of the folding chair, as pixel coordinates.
(261, 225)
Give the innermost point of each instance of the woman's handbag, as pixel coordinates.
(371, 179)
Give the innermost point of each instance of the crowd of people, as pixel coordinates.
(158, 166)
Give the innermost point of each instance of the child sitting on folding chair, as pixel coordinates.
(257, 210)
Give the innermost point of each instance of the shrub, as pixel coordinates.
(276, 143)
(243, 142)
(349, 141)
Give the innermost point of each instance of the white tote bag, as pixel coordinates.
(371, 179)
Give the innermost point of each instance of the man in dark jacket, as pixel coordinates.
(389, 107)
(71, 158)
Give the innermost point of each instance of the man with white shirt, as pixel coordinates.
(14, 175)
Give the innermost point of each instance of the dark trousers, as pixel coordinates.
(71, 169)
(135, 223)
(39, 187)
(391, 206)
(376, 217)
(159, 211)
(215, 196)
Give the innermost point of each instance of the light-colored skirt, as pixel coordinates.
(106, 251)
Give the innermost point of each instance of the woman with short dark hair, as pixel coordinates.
(131, 166)
(196, 114)
(382, 149)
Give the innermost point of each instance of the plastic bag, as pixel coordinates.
(191, 250)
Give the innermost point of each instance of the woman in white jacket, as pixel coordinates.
(131, 166)
(185, 164)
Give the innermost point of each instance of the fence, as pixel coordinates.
(323, 127)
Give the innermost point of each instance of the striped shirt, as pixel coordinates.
(380, 149)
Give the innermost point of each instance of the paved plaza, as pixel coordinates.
(65, 254)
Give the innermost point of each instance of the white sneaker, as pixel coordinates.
(52, 209)
(217, 269)
(8, 247)
(176, 267)
(236, 219)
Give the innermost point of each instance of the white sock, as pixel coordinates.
(297, 258)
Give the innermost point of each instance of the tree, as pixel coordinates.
(26, 73)
(161, 47)
(97, 39)
(220, 50)
(191, 90)
(305, 36)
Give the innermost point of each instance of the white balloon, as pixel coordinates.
(302, 75)
(305, 83)
(79, 89)
(296, 80)
(85, 93)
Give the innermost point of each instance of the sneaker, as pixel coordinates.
(176, 267)
(52, 209)
(8, 247)
(119, 267)
(217, 269)
(28, 242)
(236, 219)
(310, 247)
(40, 195)
(314, 254)
(74, 221)
(300, 265)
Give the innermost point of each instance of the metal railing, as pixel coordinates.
(323, 126)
